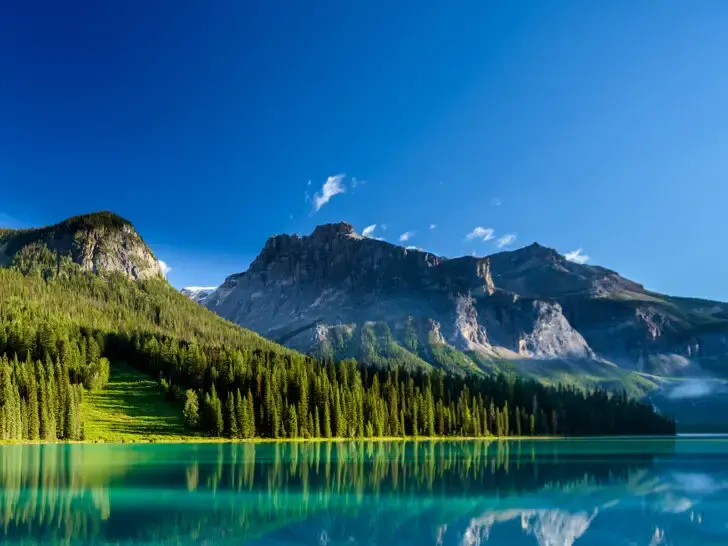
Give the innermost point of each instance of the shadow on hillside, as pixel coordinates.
(132, 404)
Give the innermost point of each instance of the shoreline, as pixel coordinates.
(208, 440)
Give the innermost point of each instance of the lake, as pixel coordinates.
(550, 493)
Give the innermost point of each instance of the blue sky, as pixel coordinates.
(600, 126)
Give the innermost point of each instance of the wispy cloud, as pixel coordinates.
(164, 267)
(481, 233)
(576, 256)
(384, 227)
(496, 202)
(355, 182)
(411, 247)
(433, 226)
(334, 185)
(506, 240)
(406, 236)
(369, 230)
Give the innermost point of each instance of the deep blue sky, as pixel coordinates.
(595, 125)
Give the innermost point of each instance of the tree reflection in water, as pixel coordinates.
(217, 492)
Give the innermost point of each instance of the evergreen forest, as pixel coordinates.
(63, 328)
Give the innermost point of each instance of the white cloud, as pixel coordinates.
(481, 233)
(384, 227)
(576, 256)
(369, 230)
(164, 267)
(411, 247)
(506, 240)
(496, 202)
(355, 182)
(334, 185)
(406, 236)
(433, 226)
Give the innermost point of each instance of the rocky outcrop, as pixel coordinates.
(100, 242)
(339, 294)
(326, 293)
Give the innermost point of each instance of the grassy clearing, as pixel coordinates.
(131, 408)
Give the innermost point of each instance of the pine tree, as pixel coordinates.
(33, 410)
(327, 421)
(70, 420)
(191, 411)
(231, 423)
(25, 419)
(218, 423)
(250, 418)
(506, 423)
(292, 422)
(241, 415)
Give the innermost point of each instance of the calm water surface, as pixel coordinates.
(548, 493)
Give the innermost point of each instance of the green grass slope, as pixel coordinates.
(131, 408)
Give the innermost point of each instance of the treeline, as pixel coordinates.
(242, 394)
(62, 329)
(39, 402)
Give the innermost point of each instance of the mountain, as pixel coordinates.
(95, 344)
(97, 242)
(198, 293)
(338, 294)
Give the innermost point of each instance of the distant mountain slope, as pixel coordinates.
(198, 293)
(336, 293)
(81, 270)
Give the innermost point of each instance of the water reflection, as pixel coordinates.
(440, 493)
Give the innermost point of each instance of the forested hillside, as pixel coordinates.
(62, 328)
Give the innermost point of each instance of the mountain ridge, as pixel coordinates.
(70, 324)
(336, 293)
(100, 242)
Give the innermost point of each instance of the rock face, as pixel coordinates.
(338, 294)
(99, 242)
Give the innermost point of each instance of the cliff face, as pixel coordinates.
(338, 294)
(98, 242)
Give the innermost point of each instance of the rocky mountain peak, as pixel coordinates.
(542, 272)
(338, 294)
(535, 251)
(335, 253)
(99, 242)
(329, 231)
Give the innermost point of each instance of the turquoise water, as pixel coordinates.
(548, 493)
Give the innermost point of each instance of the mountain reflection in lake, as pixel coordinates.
(550, 493)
